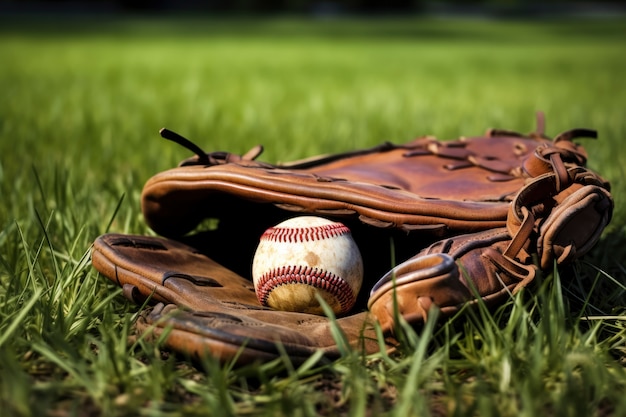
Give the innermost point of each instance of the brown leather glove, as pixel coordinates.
(465, 218)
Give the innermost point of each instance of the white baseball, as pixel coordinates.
(305, 256)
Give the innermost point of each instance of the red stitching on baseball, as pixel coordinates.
(304, 234)
(299, 274)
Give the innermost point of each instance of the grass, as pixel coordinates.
(81, 104)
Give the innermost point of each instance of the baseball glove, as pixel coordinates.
(440, 224)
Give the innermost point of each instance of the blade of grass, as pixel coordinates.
(20, 317)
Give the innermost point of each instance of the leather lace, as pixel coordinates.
(213, 158)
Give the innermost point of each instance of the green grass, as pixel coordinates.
(81, 104)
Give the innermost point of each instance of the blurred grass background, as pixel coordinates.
(81, 102)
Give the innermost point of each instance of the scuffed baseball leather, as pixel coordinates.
(463, 219)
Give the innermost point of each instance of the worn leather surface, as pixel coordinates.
(440, 224)
(430, 185)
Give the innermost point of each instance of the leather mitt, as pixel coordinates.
(439, 224)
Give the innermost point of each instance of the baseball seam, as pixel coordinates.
(299, 274)
(304, 234)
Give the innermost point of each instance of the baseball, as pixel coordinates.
(305, 256)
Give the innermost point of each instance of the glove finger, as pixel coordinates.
(565, 222)
(168, 271)
(448, 275)
(225, 336)
(574, 227)
(249, 336)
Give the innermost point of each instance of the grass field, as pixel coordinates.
(81, 104)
